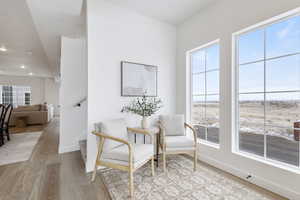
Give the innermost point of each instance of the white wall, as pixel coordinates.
(73, 88)
(52, 94)
(220, 21)
(116, 34)
(37, 86)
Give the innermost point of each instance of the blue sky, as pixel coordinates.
(208, 57)
(282, 74)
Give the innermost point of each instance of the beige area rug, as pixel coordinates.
(180, 183)
(19, 148)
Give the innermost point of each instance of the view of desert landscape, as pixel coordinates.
(268, 83)
(281, 138)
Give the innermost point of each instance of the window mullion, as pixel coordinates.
(237, 96)
(267, 59)
(265, 136)
(205, 97)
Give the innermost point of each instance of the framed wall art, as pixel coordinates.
(138, 79)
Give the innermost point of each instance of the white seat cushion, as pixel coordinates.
(173, 124)
(116, 128)
(179, 142)
(141, 152)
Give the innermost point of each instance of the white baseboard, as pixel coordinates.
(279, 189)
(66, 149)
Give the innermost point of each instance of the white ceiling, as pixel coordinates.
(37, 26)
(170, 11)
(53, 19)
(18, 35)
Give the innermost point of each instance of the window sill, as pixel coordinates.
(207, 143)
(272, 163)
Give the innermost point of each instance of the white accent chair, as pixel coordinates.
(174, 139)
(115, 151)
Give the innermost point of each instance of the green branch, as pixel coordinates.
(144, 107)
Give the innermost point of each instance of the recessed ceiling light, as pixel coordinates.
(22, 67)
(30, 74)
(3, 48)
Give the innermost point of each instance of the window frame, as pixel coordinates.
(235, 90)
(16, 99)
(190, 88)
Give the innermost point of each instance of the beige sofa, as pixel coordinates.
(35, 114)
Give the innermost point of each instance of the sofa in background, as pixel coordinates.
(35, 114)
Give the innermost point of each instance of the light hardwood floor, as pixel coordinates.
(52, 176)
(31, 128)
(48, 175)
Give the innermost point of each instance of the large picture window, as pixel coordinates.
(15, 95)
(268, 91)
(204, 63)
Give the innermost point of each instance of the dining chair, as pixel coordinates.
(2, 110)
(115, 151)
(5, 121)
(174, 139)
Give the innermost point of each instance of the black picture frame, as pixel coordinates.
(123, 66)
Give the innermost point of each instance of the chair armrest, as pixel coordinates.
(186, 125)
(139, 131)
(162, 134)
(162, 129)
(104, 136)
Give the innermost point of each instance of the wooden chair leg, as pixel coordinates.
(164, 161)
(1, 137)
(195, 160)
(100, 149)
(152, 165)
(7, 134)
(95, 172)
(131, 189)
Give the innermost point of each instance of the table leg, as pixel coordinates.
(157, 149)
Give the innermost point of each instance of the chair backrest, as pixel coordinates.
(2, 110)
(7, 114)
(116, 128)
(173, 124)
